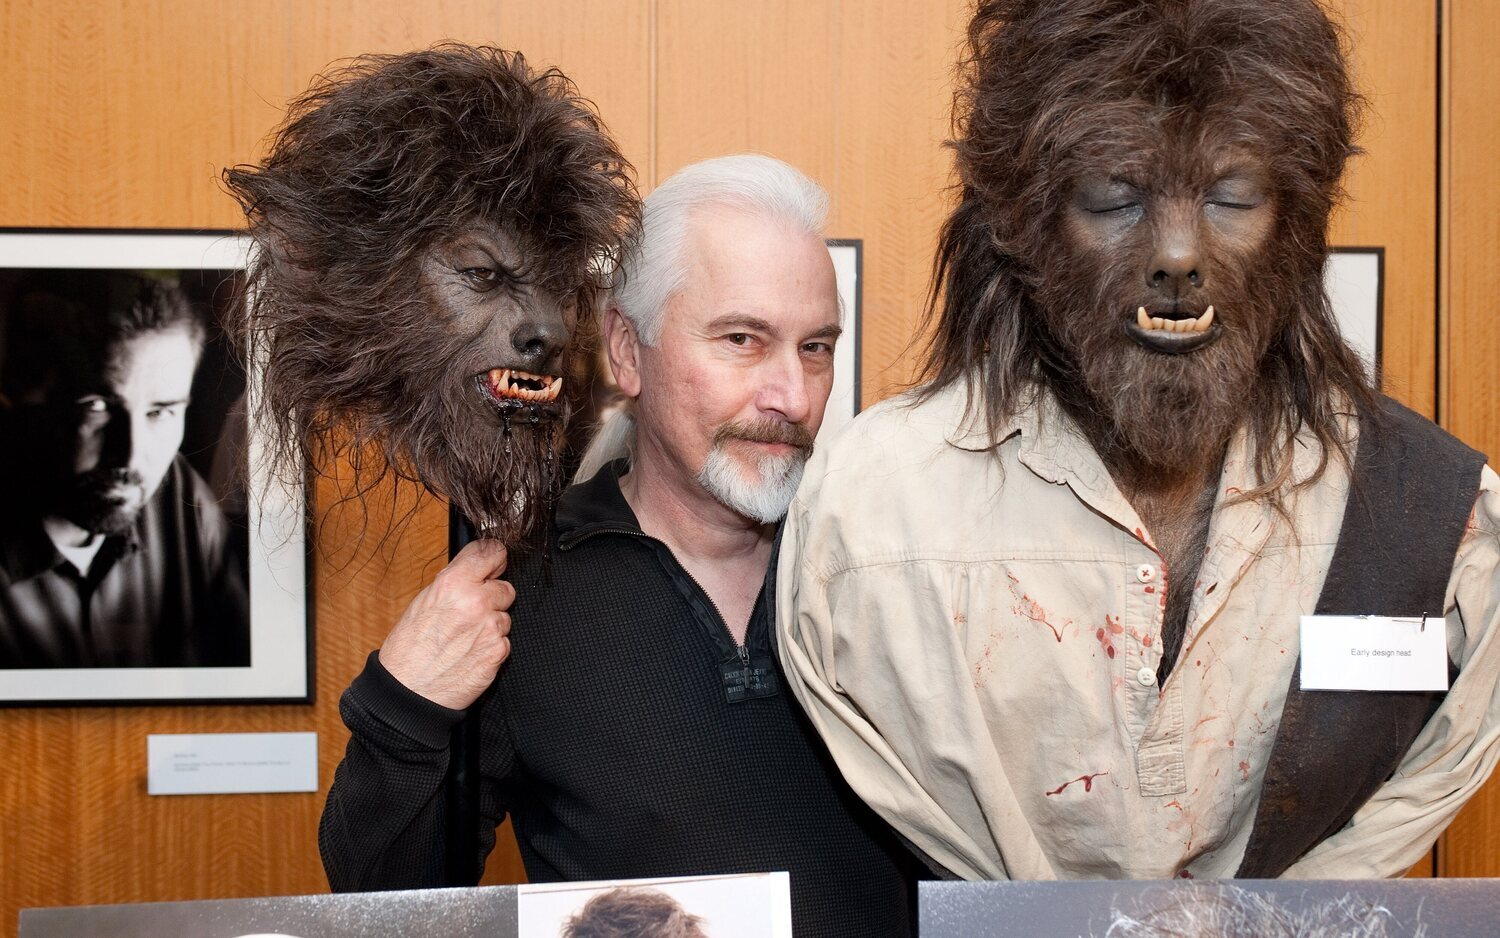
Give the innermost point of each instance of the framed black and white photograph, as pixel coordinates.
(844, 400)
(1355, 282)
(141, 559)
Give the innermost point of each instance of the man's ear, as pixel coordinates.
(624, 349)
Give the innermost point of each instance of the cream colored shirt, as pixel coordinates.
(977, 639)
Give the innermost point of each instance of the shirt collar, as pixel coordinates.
(1053, 447)
(26, 551)
(594, 505)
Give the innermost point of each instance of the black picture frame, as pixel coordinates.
(268, 523)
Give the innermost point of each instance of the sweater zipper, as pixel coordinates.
(742, 649)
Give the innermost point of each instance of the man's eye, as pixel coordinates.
(738, 338)
(818, 348)
(93, 405)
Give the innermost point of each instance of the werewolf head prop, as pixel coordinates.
(1126, 165)
(432, 228)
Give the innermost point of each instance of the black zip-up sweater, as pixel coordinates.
(609, 739)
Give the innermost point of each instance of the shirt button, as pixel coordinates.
(1145, 573)
(1146, 676)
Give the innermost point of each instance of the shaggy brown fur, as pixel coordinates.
(1156, 92)
(1227, 911)
(629, 912)
(368, 340)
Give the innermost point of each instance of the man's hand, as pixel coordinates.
(452, 638)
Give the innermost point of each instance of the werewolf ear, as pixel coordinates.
(624, 347)
(285, 248)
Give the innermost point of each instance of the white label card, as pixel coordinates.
(231, 763)
(1374, 653)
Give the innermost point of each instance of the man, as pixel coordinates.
(113, 551)
(638, 727)
(1045, 610)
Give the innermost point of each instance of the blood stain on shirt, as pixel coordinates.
(1087, 780)
(1028, 608)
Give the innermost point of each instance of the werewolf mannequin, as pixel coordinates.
(1069, 644)
(432, 227)
(1149, 246)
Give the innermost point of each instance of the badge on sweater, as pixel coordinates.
(748, 678)
(1375, 653)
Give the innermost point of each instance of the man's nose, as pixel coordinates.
(118, 447)
(1176, 267)
(539, 339)
(784, 390)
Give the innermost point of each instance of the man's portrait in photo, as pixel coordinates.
(122, 509)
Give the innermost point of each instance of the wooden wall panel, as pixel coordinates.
(734, 77)
(318, 34)
(1393, 188)
(606, 47)
(119, 116)
(1470, 341)
(1471, 231)
(895, 74)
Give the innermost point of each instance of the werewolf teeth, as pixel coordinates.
(523, 385)
(1158, 324)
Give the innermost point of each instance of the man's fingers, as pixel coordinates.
(479, 560)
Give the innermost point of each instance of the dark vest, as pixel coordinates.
(1414, 490)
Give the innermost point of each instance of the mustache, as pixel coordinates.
(100, 479)
(766, 431)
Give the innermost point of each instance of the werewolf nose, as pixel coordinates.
(1176, 272)
(539, 342)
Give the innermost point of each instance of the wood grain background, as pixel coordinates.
(119, 115)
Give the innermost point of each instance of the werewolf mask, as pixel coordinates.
(1126, 165)
(432, 230)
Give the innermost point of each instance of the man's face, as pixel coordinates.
(121, 431)
(733, 391)
(1164, 295)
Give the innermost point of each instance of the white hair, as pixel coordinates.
(651, 270)
(765, 498)
(614, 438)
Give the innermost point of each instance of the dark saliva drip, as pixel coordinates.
(505, 431)
(548, 471)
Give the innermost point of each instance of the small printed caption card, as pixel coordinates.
(231, 763)
(1374, 653)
